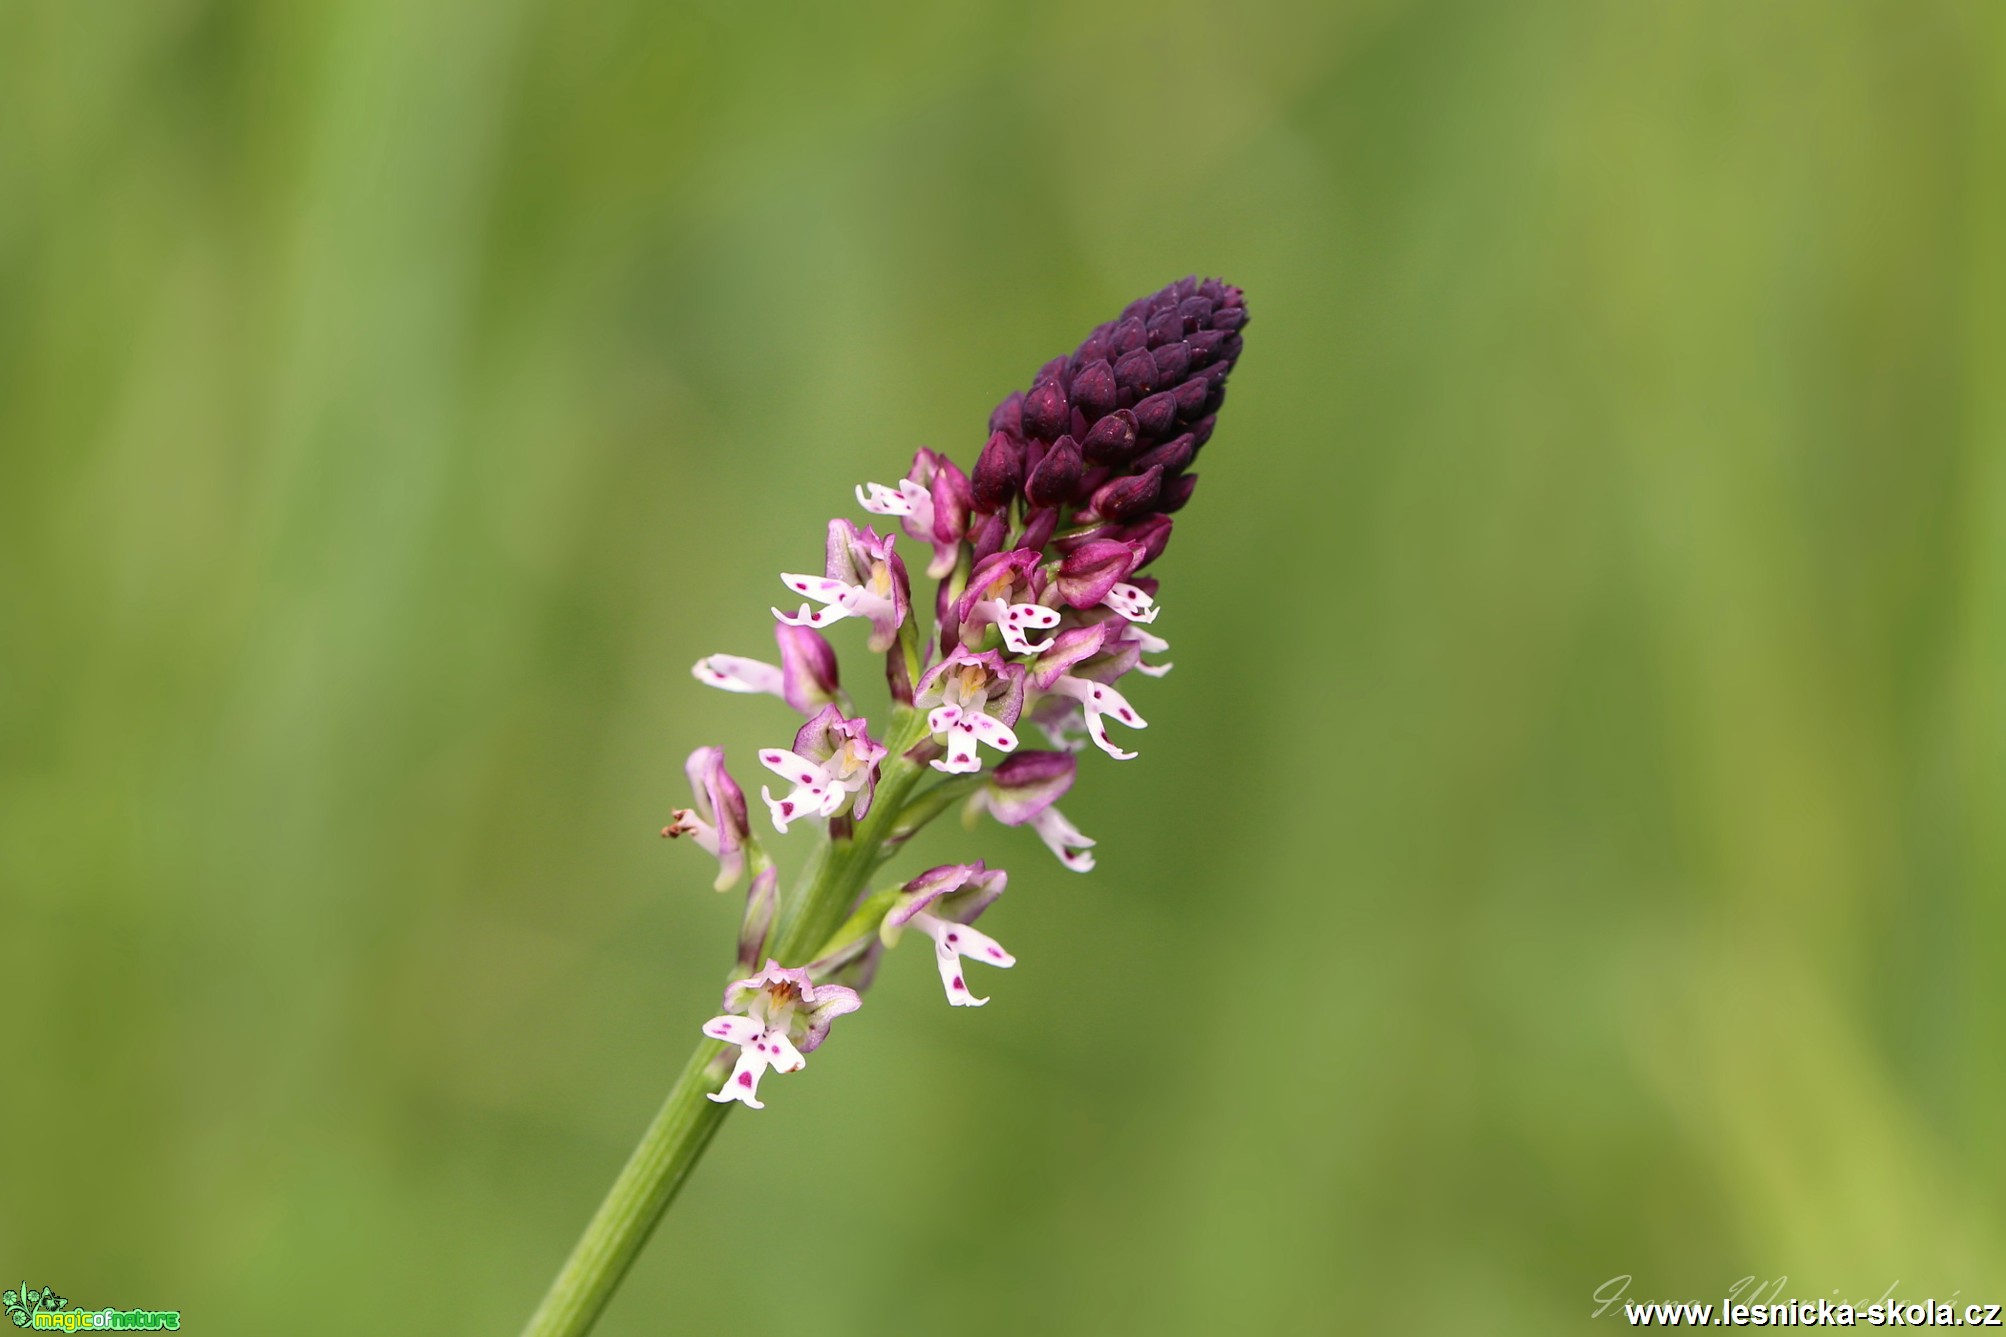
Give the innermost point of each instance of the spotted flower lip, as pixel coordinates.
(1004, 590)
(776, 1018)
(1098, 701)
(806, 677)
(865, 578)
(833, 763)
(971, 698)
(718, 822)
(941, 903)
(1024, 789)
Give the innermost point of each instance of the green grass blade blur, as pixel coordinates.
(1570, 846)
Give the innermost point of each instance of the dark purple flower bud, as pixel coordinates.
(1197, 312)
(999, 472)
(1112, 439)
(1173, 456)
(1009, 415)
(1201, 431)
(1039, 528)
(1059, 369)
(1053, 482)
(1172, 361)
(1154, 415)
(1152, 534)
(1128, 336)
(1094, 390)
(1176, 492)
(1229, 318)
(1046, 411)
(1165, 327)
(1136, 373)
(1128, 498)
(1095, 347)
(1204, 347)
(1092, 569)
(988, 533)
(1191, 395)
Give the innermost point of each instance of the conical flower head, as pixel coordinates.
(1112, 430)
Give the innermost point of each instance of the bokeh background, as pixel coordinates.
(1570, 847)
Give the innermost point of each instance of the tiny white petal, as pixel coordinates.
(1131, 602)
(1107, 745)
(991, 731)
(1019, 643)
(733, 673)
(819, 588)
(1033, 615)
(790, 766)
(743, 1084)
(786, 1058)
(817, 618)
(883, 501)
(733, 1030)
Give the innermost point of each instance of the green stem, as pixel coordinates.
(676, 1140)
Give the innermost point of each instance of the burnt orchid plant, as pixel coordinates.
(1040, 610)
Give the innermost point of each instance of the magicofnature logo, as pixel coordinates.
(44, 1309)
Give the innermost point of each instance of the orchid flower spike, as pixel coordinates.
(1045, 605)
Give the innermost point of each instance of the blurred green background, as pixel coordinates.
(1571, 845)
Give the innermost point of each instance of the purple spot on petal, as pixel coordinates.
(1127, 715)
(996, 952)
(954, 937)
(959, 985)
(787, 810)
(745, 1079)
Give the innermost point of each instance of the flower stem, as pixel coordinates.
(688, 1119)
(647, 1184)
